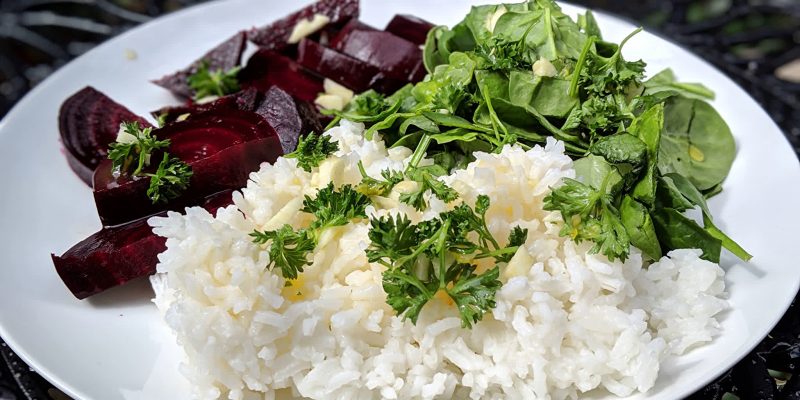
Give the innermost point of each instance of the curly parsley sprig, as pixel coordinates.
(135, 149)
(435, 255)
(289, 249)
(312, 150)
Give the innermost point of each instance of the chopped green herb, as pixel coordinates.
(418, 260)
(376, 187)
(426, 182)
(206, 83)
(589, 214)
(333, 207)
(289, 249)
(170, 179)
(312, 150)
(136, 149)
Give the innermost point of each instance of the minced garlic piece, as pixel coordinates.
(491, 19)
(543, 67)
(307, 26)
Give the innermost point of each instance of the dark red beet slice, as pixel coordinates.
(290, 118)
(225, 56)
(409, 27)
(222, 148)
(275, 35)
(266, 69)
(117, 255)
(344, 33)
(396, 57)
(355, 74)
(245, 100)
(89, 122)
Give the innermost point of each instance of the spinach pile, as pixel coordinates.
(645, 150)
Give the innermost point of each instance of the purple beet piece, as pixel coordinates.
(89, 121)
(222, 148)
(245, 100)
(289, 118)
(409, 27)
(355, 74)
(344, 33)
(266, 69)
(225, 56)
(119, 254)
(275, 35)
(396, 57)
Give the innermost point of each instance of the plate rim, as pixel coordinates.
(45, 85)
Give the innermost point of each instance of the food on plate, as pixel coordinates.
(222, 59)
(496, 209)
(300, 288)
(89, 122)
(117, 254)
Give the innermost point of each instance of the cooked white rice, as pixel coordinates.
(566, 321)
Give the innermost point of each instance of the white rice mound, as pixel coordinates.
(566, 321)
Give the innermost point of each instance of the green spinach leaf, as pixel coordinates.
(696, 142)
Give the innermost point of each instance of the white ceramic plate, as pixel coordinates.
(114, 346)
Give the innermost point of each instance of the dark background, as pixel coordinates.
(755, 42)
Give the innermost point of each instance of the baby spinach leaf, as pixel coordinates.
(637, 222)
(696, 142)
(597, 173)
(419, 122)
(727, 242)
(589, 25)
(548, 32)
(676, 231)
(453, 121)
(493, 84)
(521, 87)
(455, 135)
(679, 186)
(552, 99)
(478, 20)
(647, 127)
(665, 82)
(431, 56)
(670, 196)
(621, 148)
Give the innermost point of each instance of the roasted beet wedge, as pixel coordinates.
(344, 33)
(355, 74)
(222, 148)
(410, 28)
(223, 57)
(275, 36)
(245, 100)
(266, 69)
(396, 57)
(289, 118)
(117, 255)
(89, 122)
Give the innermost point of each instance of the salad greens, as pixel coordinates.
(520, 73)
(135, 148)
(312, 150)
